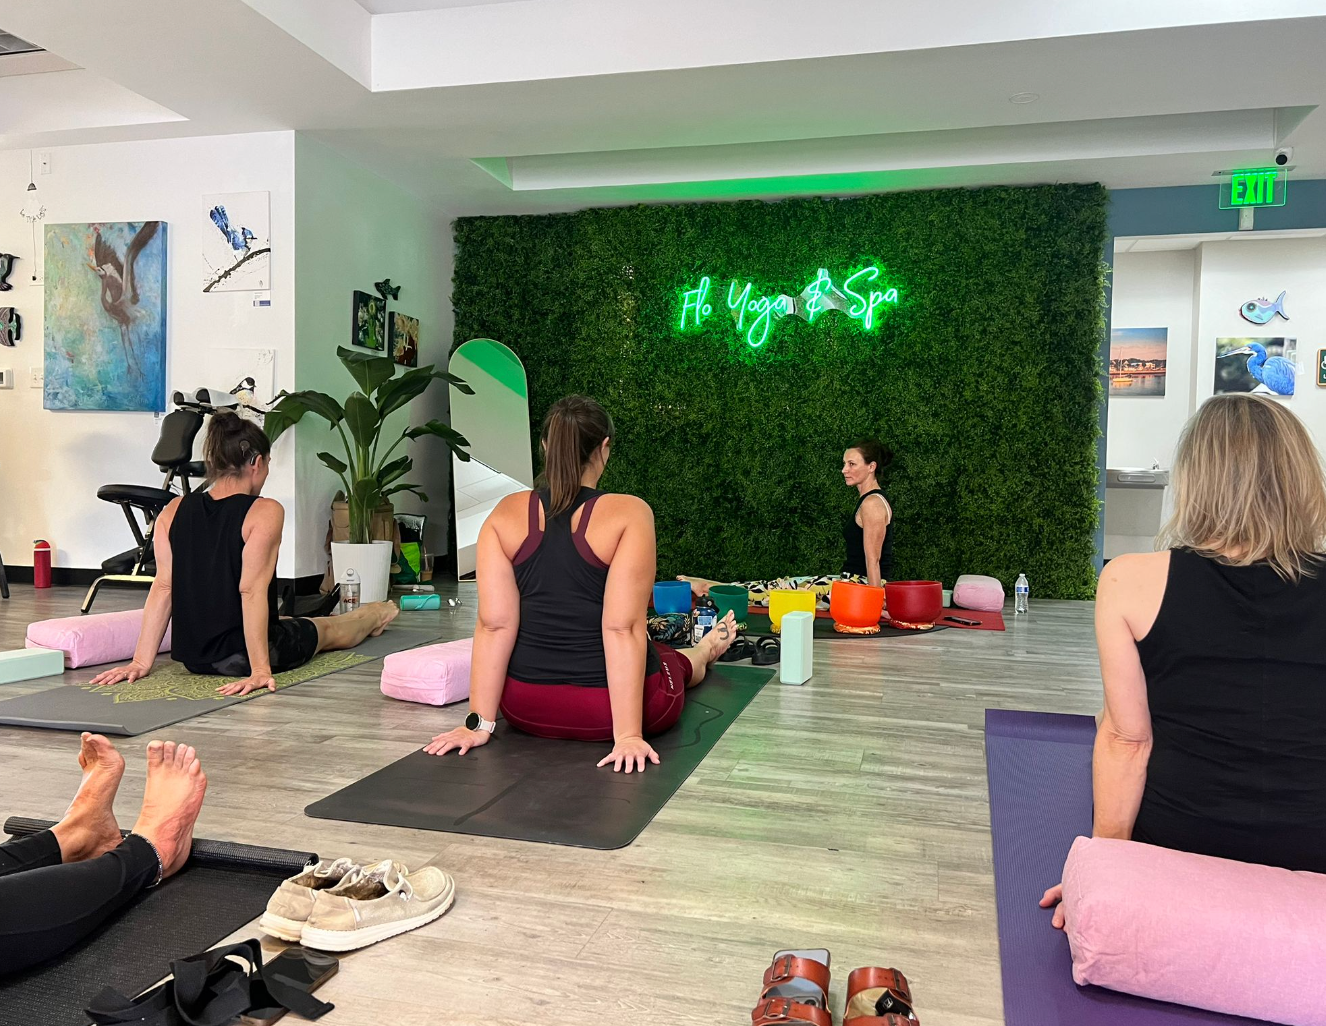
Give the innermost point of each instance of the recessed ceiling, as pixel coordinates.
(10, 43)
(405, 6)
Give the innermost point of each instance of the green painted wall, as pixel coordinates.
(984, 379)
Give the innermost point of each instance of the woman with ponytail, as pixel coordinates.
(216, 577)
(565, 574)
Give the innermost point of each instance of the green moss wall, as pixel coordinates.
(983, 379)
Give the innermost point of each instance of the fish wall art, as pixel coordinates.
(1259, 311)
(11, 326)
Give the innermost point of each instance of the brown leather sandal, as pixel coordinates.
(796, 990)
(879, 997)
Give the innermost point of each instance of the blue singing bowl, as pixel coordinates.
(672, 597)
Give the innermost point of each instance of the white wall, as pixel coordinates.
(52, 463)
(353, 229)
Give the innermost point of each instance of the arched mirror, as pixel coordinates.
(495, 419)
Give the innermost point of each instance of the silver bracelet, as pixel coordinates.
(161, 866)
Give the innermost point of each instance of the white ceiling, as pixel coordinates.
(585, 102)
(1163, 243)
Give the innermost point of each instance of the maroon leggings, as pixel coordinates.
(585, 714)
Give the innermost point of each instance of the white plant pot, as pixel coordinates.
(372, 564)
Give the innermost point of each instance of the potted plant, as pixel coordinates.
(369, 474)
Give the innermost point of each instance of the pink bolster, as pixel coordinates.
(1195, 930)
(431, 674)
(96, 638)
(975, 591)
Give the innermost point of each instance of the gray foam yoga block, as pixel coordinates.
(30, 663)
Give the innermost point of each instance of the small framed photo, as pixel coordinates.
(404, 335)
(368, 321)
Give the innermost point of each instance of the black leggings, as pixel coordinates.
(46, 906)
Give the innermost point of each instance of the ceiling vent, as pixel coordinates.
(10, 44)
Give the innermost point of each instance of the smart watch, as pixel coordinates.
(476, 722)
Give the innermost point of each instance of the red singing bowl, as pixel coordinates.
(856, 605)
(915, 601)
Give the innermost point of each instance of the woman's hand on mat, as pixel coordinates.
(631, 753)
(256, 682)
(461, 740)
(130, 673)
(1055, 897)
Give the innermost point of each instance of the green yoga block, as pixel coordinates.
(30, 663)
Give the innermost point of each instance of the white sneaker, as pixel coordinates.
(375, 903)
(288, 909)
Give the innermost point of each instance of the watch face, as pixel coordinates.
(472, 721)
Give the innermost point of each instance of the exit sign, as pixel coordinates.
(1254, 187)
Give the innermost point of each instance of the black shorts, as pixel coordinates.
(291, 642)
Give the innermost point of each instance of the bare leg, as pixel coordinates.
(349, 629)
(711, 646)
(699, 585)
(89, 828)
(171, 801)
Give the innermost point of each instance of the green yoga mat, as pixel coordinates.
(170, 693)
(758, 625)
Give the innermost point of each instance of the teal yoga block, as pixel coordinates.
(30, 663)
(798, 636)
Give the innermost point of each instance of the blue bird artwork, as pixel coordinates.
(1275, 372)
(1259, 311)
(238, 236)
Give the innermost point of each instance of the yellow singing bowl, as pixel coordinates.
(782, 602)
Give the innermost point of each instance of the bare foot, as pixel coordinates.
(89, 828)
(385, 612)
(171, 801)
(718, 640)
(699, 585)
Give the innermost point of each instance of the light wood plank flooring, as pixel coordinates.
(849, 813)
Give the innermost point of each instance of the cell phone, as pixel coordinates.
(963, 620)
(300, 967)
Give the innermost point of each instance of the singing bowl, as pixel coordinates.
(730, 598)
(915, 601)
(856, 605)
(782, 602)
(672, 597)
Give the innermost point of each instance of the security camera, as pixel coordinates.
(1284, 155)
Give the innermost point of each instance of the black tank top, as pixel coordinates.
(1236, 680)
(207, 555)
(561, 583)
(854, 536)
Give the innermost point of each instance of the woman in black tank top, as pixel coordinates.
(560, 648)
(1213, 738)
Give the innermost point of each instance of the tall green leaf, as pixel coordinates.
(362, 417)
(331, 461)
(413, 489)
(397, 392)
(291, 407)
(454, 439)
(368, 369)
(394, 470)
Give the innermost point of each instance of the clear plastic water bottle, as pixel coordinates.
(350, 592)
(1021, 592)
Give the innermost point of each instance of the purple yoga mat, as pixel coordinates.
(1039, 767)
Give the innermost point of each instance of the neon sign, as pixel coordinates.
(1254, 187)
(756, 314)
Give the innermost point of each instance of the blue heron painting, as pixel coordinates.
(1270, 368)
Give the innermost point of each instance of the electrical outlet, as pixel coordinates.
(36, 380)
(6, 377)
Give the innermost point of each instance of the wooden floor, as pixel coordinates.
(849, 813)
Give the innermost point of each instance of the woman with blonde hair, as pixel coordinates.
(1213, 738)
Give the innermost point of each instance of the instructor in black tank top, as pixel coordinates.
(1213, 738)
(216, 577)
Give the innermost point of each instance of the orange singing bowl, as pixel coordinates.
(915, 601)
(856, 605)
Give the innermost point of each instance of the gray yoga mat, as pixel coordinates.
(170, 693)
(535, 789)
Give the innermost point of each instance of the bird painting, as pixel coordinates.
(119, 291)
(11, 326)
(1275, 372)
(387, 290)
(238, 236)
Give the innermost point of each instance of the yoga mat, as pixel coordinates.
(535, 789)
(222, 887)
(170, 693)
(1039, 767)
(758, 625)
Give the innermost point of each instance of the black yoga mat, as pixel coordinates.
(222, 888)
(1039, 767)
(759, 625)
(170, 693)
(535, 789)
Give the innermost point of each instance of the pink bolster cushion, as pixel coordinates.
(1196, 930)
(975, 591)
(92, 639)
(431, 674)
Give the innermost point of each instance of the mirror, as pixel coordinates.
(495, 419)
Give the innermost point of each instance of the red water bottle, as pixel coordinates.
(41, 564)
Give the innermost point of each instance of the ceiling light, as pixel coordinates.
(1024, 97)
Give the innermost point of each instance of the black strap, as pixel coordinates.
(209, 989)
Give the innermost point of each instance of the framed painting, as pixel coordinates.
(368, 321)
(104, 331)
(404, 336)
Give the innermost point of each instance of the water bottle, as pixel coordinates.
(1021, 592)
(706, 617)
(350, 592)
